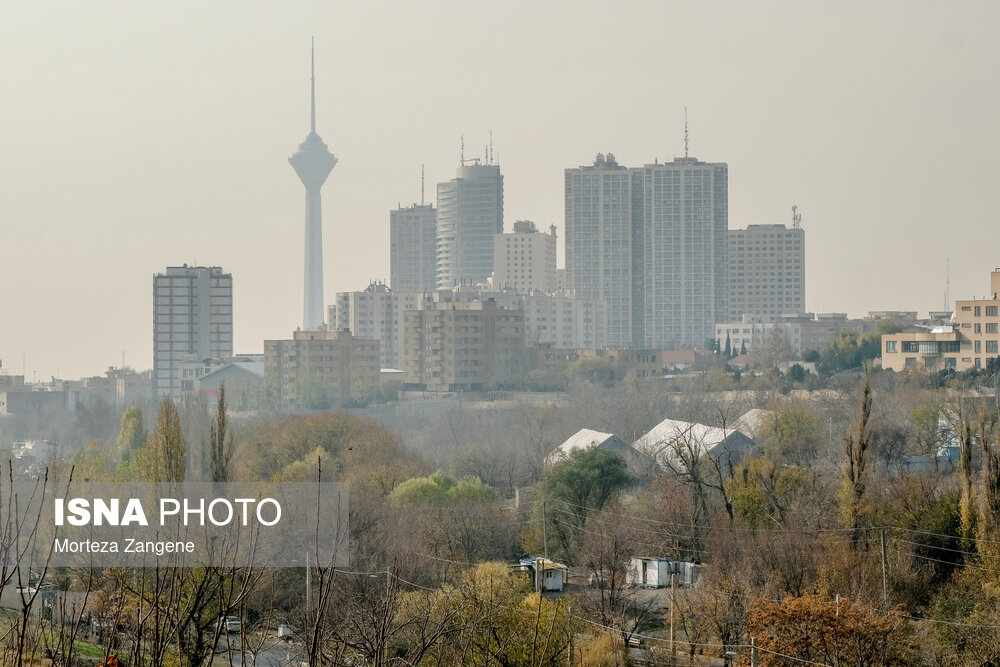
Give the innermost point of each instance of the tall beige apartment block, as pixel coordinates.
(464, 346)
(321, 368)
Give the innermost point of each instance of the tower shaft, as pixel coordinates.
(312, 297)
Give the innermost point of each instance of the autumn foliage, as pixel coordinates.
(829, 632)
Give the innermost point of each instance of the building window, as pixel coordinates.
(929, 347)
(978, 328)
(978, 347)
(977, 311)
(991, 327)
(911, 362)
(910, 346)
(950, 363)
(953, 346)
(991, 346)
(991, 311)
(890, 346)
(979, 362)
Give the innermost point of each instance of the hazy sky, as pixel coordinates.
(134, 136)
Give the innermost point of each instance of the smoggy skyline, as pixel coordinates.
(140, 137)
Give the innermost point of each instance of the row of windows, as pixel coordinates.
(991, 311)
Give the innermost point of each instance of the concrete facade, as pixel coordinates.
(604, 243)
(464, 346)
(470, 214)
(377, 313)
(321, 368)
(525, 260)
(192, 320)
(413, 249)
(970, 340)
(767, 275)
(685, 220)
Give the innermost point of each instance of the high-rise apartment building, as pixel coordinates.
(413, 248)
(685, 222)
(604, 242)
(767, 272)
(525, 260)
(651, 242)
(192, 320)
(470, 214)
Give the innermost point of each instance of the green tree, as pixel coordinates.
(762, 493)
(131, 438)
(585, 480)
(164, 456)
(857, 444)
(440, 488)
(792, 434)
(796, 373)
(220, 441)
(496, 619)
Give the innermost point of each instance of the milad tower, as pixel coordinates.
(312, 163)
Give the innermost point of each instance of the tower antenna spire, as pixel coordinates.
(947, 281)
(461, 154)
(312, 59)
(421, 184)
(490, 161)
(685, 131)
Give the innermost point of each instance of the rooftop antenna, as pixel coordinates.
(312, 58)
(491, 147)
(685, 131)
(796, 217)
(421, 184)
(461, 155)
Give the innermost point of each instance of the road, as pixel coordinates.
(273, 653)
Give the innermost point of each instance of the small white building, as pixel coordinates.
(547, 575)
(656, 572)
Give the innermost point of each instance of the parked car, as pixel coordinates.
(232, 624)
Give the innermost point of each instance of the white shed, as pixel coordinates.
(655, 572)
(547, 575)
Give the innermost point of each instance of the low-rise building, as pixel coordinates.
(970, 340)
(639, 465)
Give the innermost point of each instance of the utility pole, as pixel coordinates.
(885, 568)
(569, 615)
(545, 533)
(673, 603)
(754, 658)
(308, 593)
